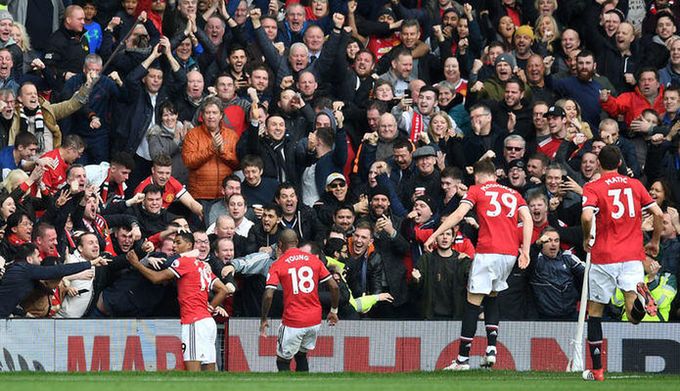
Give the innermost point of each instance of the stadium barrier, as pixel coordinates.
(360, 346)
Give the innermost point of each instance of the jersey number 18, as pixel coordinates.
(302, 279)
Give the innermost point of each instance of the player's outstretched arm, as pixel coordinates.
(267, 298)
(451, 221)
(335, 301)
(156, 277)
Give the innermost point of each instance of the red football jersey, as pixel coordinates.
(172, 191)
(497, 209)
(54, 177)
(195, 280)
(618, 202)
(299, 273)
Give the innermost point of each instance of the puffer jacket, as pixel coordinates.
(632, 104)
(206, 167)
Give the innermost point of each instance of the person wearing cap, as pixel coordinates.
(336, 195)
(523, 39)
(517, 177)
(494, 87)
(419, 225)
(425, 177)
(557, 124)
(7, 42)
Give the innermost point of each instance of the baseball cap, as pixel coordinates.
(334, 177)
(517, 163)
(555, 111)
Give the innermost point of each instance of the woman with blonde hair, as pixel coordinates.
(23, 188)
(445, 137)
(547, 34)
(573, 112)
(23, 41)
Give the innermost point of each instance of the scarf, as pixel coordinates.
(33, 118)
(14, 240)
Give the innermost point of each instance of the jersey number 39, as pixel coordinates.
(507, 199)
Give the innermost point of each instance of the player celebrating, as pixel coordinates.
(498, 210)
(617, 253)
(299, 273)
(195, 280)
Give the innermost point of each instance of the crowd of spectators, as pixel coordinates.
(356, 123)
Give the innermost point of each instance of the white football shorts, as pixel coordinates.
(198, 341)
(489, 273)
(604, 279)
(292, 340)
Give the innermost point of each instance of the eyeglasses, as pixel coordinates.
(202, 241)
(337, 185)
(513, 149)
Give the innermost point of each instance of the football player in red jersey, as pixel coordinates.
(499, 210)
(299, 273)
(195, 280)
(618, 252)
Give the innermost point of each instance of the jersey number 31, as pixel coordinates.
(618, 203)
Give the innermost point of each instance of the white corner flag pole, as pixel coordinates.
(576, 363)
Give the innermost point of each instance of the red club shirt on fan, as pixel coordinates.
(172, 190)
(195, 280)
(618, 201)
(54, 176)
(497, 209)
(299, 273)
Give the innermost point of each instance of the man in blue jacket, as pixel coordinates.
(20, 277)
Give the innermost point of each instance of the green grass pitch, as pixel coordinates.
(473, 380)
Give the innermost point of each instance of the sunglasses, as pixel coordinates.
(337, 185)
(513, 149)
